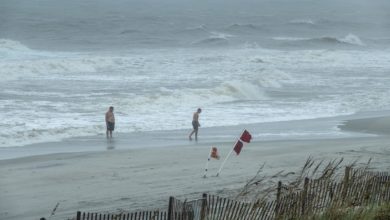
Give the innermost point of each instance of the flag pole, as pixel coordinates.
(223, 163)
(207, 163)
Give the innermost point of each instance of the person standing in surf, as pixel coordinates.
(195, 124)
(110, 122)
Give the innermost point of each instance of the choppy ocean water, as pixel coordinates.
(63, 63)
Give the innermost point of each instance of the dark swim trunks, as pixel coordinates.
(195, 125)
(110, 126)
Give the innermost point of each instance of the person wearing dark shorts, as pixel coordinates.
(195, 124)
(110, 126)
(110, 122)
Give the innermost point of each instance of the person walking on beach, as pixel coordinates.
(195, 124)
(110, 122)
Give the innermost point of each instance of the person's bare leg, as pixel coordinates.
(107, 134)
(190, 136)
(196, 135)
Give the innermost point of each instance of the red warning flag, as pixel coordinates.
(246, 136)
(237, 148)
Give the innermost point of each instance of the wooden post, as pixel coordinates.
(278, 194)
(279, 190)
(304, 195)
(170, 208)
(78, 215)
(345, 183)
(203, 210)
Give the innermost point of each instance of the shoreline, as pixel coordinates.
(328, 127)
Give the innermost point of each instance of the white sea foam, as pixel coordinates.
(59, 95)
(10, 45)
(290, 38)
(352, 39)
(302, 21)
(349, 39)
(240, 90)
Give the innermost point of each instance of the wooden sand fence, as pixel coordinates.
(357, 188)
(177, 210)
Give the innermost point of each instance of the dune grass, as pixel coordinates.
(259, 191)
(373, 212)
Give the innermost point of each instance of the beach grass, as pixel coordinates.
(370, 212)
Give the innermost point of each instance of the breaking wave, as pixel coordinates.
(216, 39)
(302, 22)
(240, 90)
(352, 39)
(349, 39)
(10, 45)
(17, 61)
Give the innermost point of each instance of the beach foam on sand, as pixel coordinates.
(143, 178)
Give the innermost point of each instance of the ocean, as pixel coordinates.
(63, 63)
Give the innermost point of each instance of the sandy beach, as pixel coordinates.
(138, 173)
(307, 79)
